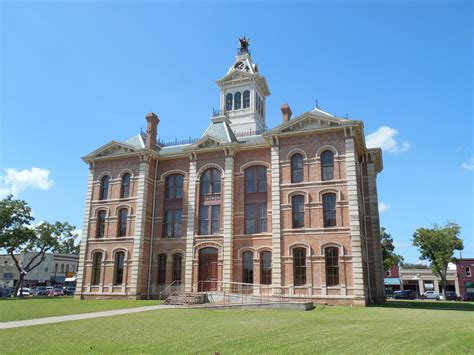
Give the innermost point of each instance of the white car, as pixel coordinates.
(25, 291)
(431, 295)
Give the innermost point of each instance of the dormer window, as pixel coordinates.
(228, 102)
(237, 100)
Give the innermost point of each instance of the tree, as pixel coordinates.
(390, 258)
(69, 246)
(17, 236)
(414, 266)
(437, 245)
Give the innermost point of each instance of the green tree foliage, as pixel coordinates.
(27, 245)
(390, 258)
(414, 266)
(437, 246)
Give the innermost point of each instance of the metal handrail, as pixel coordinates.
(177, 282)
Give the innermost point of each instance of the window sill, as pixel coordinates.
(208, 235)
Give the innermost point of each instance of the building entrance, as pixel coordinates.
(208, 269)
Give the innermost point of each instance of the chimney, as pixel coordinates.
(286, 112)
(151, 130)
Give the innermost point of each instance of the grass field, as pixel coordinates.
(397, 327)
(30, 308)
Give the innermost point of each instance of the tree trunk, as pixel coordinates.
(19, 285)
(443, 285)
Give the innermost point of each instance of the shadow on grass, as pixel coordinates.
(430, 305)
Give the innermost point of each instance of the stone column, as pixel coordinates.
(276, 217)
(354, 221)
(85, 236)
(188, 273)
(375, 232)
(228, 217)
(139, 233)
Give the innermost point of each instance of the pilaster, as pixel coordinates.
(276, 217)
(139, 235)
(85, 236)
(375, 233)
(228, 218)
(354, 221)
(188, 275)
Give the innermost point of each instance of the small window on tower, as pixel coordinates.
(246, 99)
(228, 102)
(237, 100)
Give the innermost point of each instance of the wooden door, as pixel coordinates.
(208, 271)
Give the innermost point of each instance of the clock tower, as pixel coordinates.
(243, 93)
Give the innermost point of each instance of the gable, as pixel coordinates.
(111, 149)
(309, 121)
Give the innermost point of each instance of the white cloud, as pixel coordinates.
(383, 207)
(469, 165)
(384, 138)
(16, 181)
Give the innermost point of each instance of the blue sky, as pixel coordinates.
(75, 75)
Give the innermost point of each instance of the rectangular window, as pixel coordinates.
(161, 269)
(468, 271)
(299, 266)
(329, 210)
(255, 218)
(250, 180)
(172, 223)
(297, 209)
(204, 220)
(215, 219)
(332, 266)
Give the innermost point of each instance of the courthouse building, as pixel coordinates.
(293, 207)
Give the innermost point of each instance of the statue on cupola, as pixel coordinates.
(244, 45)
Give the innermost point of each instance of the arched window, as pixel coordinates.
(237, 100)
(228, 102)
(174, 186)
(62, 267)
(332, 266)
(56, 268)
(161, 269)
(327, 165)
(96, 268)
(246, 99)
(247, 267)
(118, 267)
(299, 266)
(125, 189)
(329, 210)
(257, 101)
(255, 200)
(122, 222)
(177, 265)
(266, 268)
(67, 268)
(297, 168)
(100, 224)
(104, 188)
(297, 208)
(210, 202)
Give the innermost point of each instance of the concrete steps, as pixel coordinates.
(185, 299)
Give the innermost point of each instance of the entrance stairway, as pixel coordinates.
(185, 298)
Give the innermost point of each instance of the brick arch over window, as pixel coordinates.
(241, 251)
(207, 166)
(332, 244)
(339, 195)
(299, 245)
(172, 172)
(122, 249)
(254, 163)
(96, 250)
(126, 171)
(307, 196)
(102, 174)
(327, 147)
(126, 206)
(296, 151)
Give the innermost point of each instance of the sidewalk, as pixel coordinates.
(49, 320)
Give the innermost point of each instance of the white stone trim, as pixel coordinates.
(276, 216)
(354, 221)
(139, 235)
(228, 219)
(188, 274)
(85, 234)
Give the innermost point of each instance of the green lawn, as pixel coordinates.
(398, 327)
(29, 308)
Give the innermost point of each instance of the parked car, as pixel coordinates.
(5, 292)
(40, 291)
(69, 291)
(430, 295)
(404, 295)
(24, 291)
(468, 296)
(57, 291)
(450, 296)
